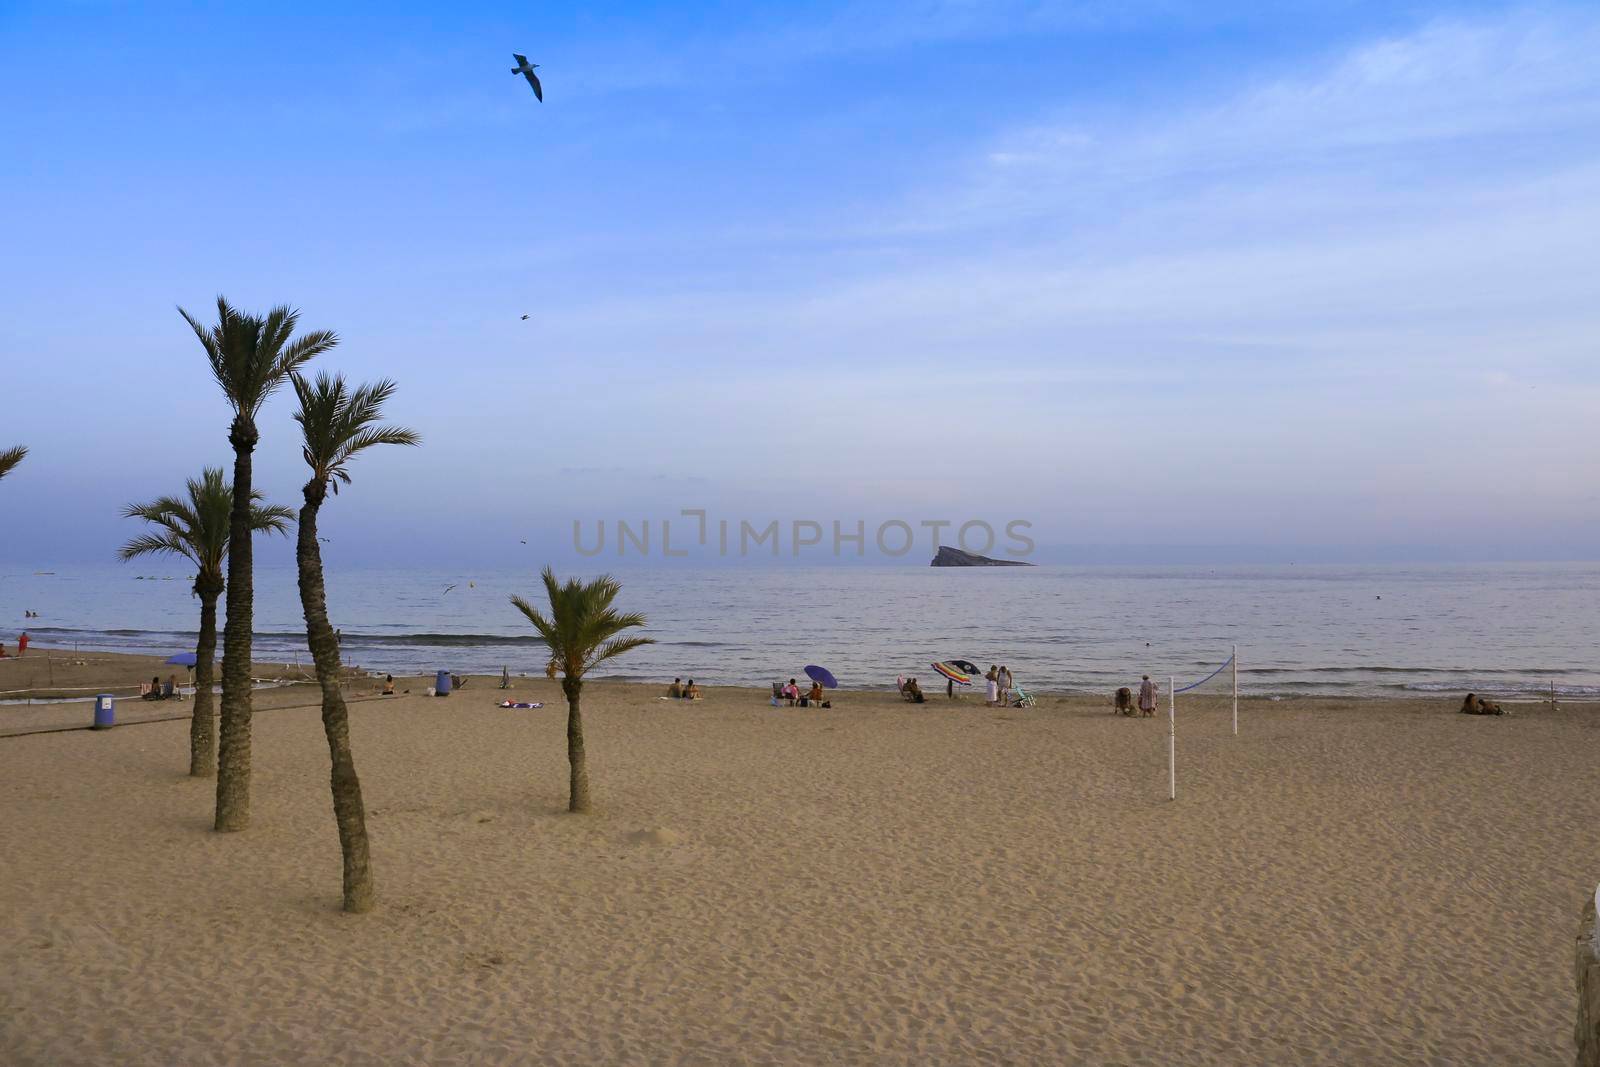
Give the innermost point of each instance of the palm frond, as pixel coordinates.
(338, 423)
(252, 355)
(168, 543)
(582, 628)
(9, 458)
(199, 525)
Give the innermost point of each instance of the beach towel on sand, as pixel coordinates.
(518, 704)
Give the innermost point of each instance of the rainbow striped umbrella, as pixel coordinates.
(952, 672)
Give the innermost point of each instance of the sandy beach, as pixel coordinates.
(1344, 882)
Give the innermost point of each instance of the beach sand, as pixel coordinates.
(1344, 882)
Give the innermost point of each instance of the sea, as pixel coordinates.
(1509, 630)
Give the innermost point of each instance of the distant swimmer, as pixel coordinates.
(526, 69)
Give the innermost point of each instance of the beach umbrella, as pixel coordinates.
(964, 666)
(183, 659)
(820, 674)
(952, 672)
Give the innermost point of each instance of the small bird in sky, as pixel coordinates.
(447, 589)
(326, 540)
(526, 69)
(524, 542)
(524, 318)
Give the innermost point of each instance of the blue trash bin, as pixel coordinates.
(105, 713)
(441, 684)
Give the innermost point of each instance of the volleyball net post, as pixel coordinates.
(1172, 739)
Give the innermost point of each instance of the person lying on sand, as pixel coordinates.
(1476, 705)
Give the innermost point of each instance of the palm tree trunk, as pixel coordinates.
(233, 764)
(203, 727)
(348, 809)
(579, 786)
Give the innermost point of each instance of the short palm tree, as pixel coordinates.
(250, 357)
(10, 457)
(583, 632)
(337, 424)
(198, 530)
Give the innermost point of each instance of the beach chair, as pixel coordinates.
(1022, 699)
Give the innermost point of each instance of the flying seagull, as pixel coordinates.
(447, 589)
(524, 318)
(525, 69)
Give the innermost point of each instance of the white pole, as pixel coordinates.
(1172, 739)
(1235, 690)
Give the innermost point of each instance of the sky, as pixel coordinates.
(1222, 281)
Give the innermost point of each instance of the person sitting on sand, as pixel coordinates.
(1122, 702)
(691, 691)
(913, 692)
(154, 691)
(388, 685)
(814, 697)
(1147, 697)
(675, 690)
(791, 692)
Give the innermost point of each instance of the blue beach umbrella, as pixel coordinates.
(183, 659)
(820, 674)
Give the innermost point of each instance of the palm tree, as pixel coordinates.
(197, 529)
(250, 357)
(582, 633)
(10, 457)
(338, 424)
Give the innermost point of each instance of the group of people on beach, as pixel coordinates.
(1001, 688)
(809, 699)
(679, 690)
(156, 691)
(22, 645)
(1123, 703)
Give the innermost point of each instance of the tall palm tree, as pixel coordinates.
(250, 357)
(198, 530)
(582, 632)
(338, 424)
(10, 457)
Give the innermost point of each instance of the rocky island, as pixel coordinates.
(954, 557)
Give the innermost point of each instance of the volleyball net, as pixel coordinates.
(1224, 680)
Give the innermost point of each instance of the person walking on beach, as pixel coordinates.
(1147, 697)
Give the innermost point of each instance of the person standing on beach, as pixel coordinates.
(22, 644)
(1004, 679)
(993, 678)
(1147, 697)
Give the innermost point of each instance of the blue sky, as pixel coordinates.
(1313, 280)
